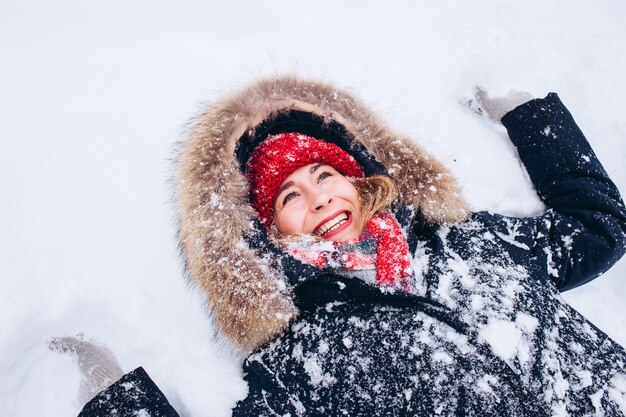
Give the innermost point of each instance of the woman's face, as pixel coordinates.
(318, 200)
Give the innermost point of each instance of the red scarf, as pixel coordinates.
(381, 246)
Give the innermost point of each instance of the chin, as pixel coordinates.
(344, 236)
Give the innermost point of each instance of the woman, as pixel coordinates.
(461, 317)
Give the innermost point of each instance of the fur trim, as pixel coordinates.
(245, 294)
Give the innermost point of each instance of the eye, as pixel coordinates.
(324, 175)
(288, 197)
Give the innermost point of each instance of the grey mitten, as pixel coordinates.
(496, 108)
(98, 367)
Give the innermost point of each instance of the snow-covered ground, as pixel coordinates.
(93, 96)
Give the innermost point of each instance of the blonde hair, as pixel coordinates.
(375, 194)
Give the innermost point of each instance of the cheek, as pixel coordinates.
(355, 197)
(288, 222)
(351, 193)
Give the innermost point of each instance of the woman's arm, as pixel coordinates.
(583, 233)
(134, 394)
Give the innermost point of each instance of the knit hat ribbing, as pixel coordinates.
(280, 155)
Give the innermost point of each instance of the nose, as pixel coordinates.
(320, 200)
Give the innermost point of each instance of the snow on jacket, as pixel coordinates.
(486, 333)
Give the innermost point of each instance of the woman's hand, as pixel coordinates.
(496, 108)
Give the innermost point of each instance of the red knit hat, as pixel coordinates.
(280, 155)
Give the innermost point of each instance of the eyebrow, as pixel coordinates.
(283, 188)
(315, 167)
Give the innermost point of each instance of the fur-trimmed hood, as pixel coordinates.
(246, 293)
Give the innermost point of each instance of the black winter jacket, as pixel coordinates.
(489, 333)
(486, 332)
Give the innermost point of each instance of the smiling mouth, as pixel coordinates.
(327, 228)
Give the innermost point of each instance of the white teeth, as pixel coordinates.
(332, 224)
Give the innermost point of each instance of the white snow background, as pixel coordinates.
(93, 96)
